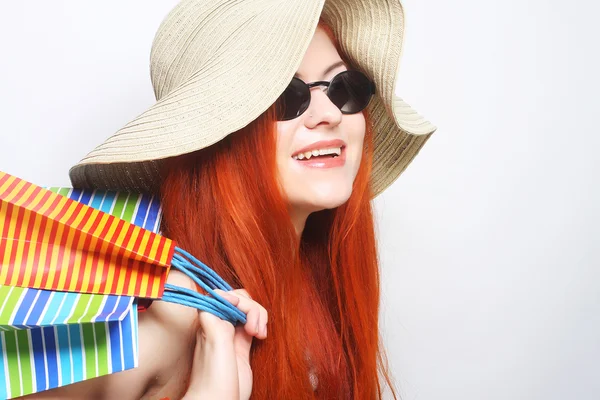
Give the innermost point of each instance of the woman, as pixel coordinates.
(269, 183)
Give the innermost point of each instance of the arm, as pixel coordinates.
(175, 341)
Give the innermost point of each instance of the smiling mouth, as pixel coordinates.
(328, 153)
(330, 159)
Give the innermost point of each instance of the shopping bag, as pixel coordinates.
(81, 241)
(24, 308)
(83, 348)
(91, 241)
(50, 339)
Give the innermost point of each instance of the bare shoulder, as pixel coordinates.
(167, 336)
(170, 331)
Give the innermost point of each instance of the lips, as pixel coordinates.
(324, 161)
(320, 145)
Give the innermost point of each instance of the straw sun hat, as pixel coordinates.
(217, 65)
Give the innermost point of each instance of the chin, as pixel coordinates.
(325, 199)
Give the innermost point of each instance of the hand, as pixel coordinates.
(221, 367)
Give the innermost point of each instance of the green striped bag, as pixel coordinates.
(50, 339)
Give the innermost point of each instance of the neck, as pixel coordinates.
(299, 217)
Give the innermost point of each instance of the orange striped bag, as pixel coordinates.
(49, 241)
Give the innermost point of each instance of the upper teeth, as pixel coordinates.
(320, 152)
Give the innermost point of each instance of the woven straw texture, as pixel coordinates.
(217, 65)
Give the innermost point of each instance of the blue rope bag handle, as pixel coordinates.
(208, 280)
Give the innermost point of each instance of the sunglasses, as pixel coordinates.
(349, 90)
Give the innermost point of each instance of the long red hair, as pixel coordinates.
(224, 205)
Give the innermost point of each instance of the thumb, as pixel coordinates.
(242, 343)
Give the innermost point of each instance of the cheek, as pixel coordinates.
(284, 133)
(356, 138)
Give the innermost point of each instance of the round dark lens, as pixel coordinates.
(293, 101)
(350, 91)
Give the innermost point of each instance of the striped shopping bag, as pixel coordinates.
(99, 242)
(50, 339)
(66, 257)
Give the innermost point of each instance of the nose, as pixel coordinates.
(321, 109)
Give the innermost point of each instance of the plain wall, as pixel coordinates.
(489, 240)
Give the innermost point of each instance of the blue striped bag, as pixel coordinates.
(50, 339)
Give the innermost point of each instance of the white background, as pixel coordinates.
(490, 239)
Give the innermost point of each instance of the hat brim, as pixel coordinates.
(199, 111)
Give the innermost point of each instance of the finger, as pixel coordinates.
(256, 315)
(252, 318)
(248, 307)
(263, 316)
(228, 296)
(242, 292)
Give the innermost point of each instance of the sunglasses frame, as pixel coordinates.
(327, 84)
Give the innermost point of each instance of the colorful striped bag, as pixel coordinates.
(73, 264)
(50, 339)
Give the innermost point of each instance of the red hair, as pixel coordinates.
(224, 205)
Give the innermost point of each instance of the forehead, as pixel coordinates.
(320, 56)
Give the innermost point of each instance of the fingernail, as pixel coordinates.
(265, 331)
(257, 327)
